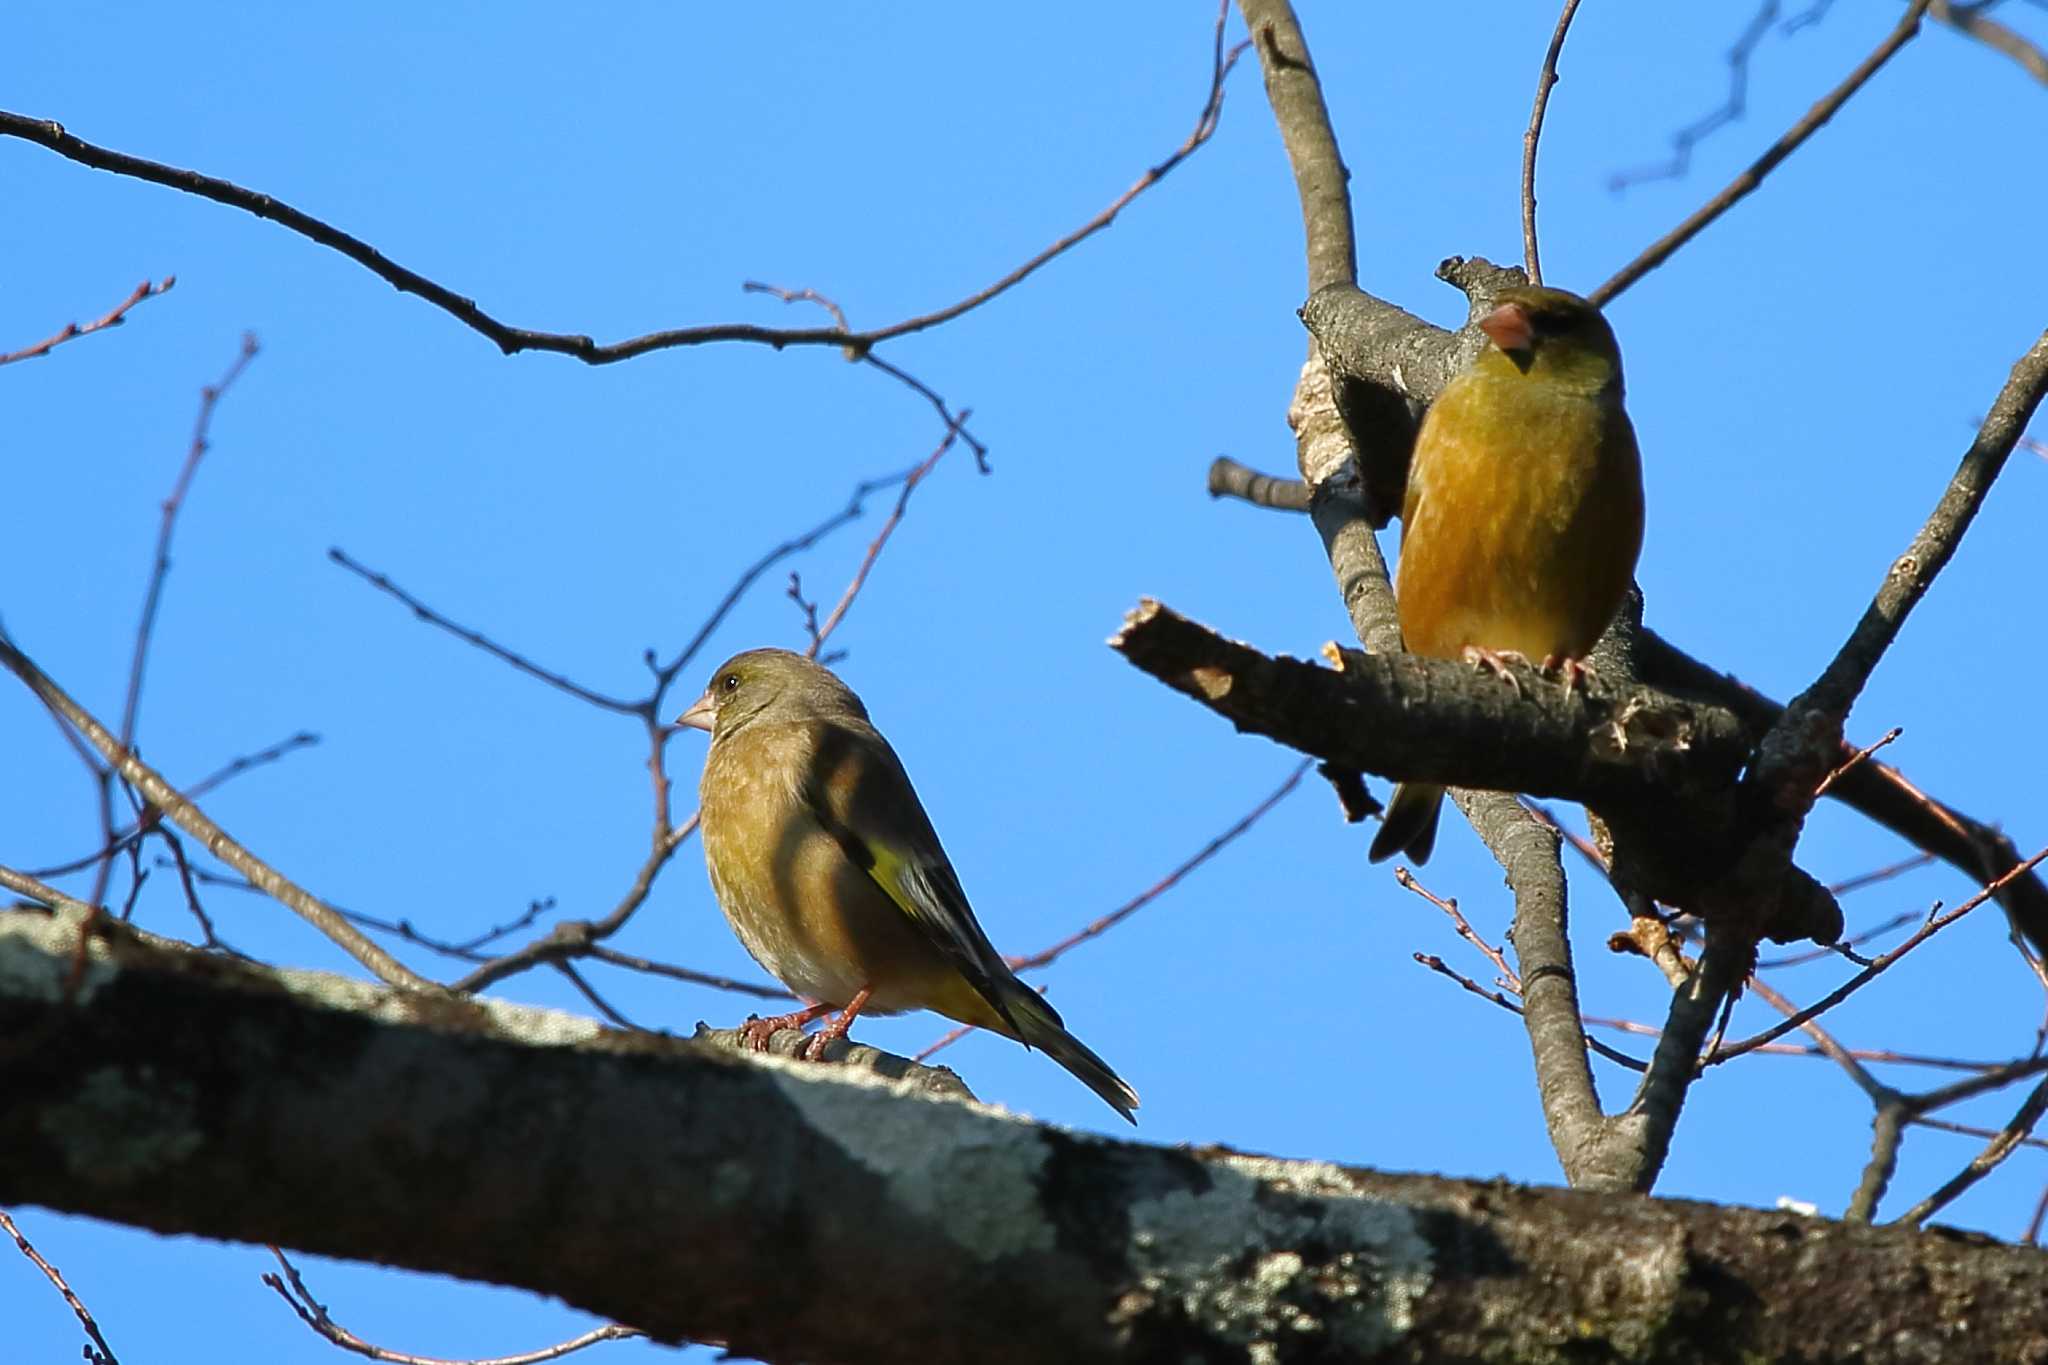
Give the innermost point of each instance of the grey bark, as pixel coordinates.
(810, 1212)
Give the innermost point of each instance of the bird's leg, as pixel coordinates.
(1577, 673)
(814, 1050)
(756, 1032)
(1496, 662)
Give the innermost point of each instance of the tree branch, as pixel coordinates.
(1739, 188)
(1546, 78)
(802, 1212)
(512, 340)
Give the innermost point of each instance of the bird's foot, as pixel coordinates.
(1576, 672)
(756, 1032)
(814, 1049)
(1496, 662)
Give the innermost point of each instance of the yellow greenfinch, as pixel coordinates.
(829, 871)
(1524, 511)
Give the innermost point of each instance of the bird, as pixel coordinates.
(832, 877)
(1523, 515)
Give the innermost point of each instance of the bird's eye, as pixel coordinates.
(730, 682)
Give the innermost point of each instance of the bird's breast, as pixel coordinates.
(1523, 521)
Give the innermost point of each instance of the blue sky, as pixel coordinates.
(1804, 378)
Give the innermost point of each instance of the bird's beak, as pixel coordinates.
(1510, 328)
(698, 717)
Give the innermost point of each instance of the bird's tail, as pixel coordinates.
(1039, 1026)
(1409, 825)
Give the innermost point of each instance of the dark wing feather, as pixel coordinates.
(857, 790)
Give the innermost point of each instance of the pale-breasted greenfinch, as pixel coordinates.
(831, 875)
(1524, 510)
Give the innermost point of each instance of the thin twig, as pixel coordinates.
(99, 1353)
(1882, 874)
(900, 375)
(160, 567)
(1861, 1054)
(483, 642)
(574, 938)
(1898, 921)
(1660, 251)
(233, 768)
(856, 506)
(1465, 931)
(1986, 1161)
(113, 317)
(1728, 111)
(1544, 81)
(314, 1315)
(1096, 928)
(1441, 968)
(589, 992)
(1854, 759)
(867, 563)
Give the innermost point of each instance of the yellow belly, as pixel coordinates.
(1523, 522)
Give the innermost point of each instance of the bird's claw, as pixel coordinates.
(1497, 663)
(1576, 672)
(756, 1032)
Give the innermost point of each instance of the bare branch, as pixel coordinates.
(1661, 250)
(314, 1314)
(1229, 479)
(867, 563)
(1045, 957)
(1986, 1161)
(483, 642)
(113, 317)
(1728, 111)
(1545, 79)
(99, 1353)
(512, 340)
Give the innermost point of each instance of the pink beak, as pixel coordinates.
(1509, 327)
(698, 717)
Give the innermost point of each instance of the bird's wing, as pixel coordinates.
(857, 790)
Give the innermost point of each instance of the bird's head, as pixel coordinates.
(774, 684)
(1552, 337)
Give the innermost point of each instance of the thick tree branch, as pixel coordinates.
(801, 1212)
(1320, 178)
(1873, 789)
(1414, 718)
(1371, 372)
